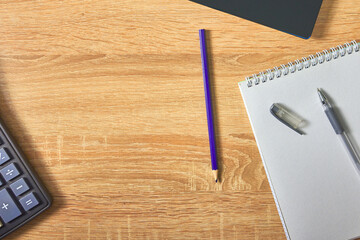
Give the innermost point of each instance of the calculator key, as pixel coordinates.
(19, 187)
(9, 172)
(4, 157)
(8, 209)
(29, 201)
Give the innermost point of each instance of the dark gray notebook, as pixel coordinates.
(291, 16)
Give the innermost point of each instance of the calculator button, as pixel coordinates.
(29, 201)
(4, 157)
(8, 209)
(9, 172)
(19, 187)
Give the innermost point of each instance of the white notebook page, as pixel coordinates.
(315, 182)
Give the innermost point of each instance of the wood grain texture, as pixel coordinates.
(106, 99)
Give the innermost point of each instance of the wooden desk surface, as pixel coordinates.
(106, 99)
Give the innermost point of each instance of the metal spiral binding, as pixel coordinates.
(304, 63)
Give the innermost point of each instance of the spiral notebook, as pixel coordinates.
(314, 182)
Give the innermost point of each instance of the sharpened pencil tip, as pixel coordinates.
(216, 176)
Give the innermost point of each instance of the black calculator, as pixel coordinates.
(22, 196)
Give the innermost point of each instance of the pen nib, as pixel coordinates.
(321, 96)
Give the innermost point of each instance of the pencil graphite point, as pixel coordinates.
(215, 172)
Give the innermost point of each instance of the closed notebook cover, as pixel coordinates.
(315, 182)
(296, 17)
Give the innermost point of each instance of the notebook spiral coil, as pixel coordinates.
(304, 63)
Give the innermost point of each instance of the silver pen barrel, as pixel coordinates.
(351, 149)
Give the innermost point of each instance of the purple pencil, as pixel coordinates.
(209, 113)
